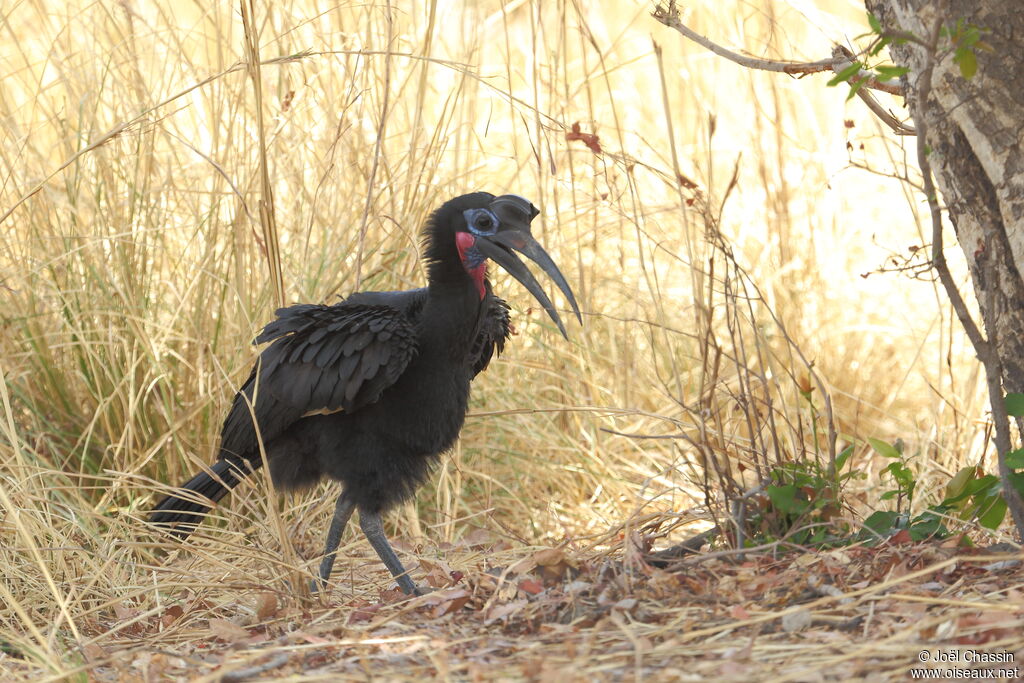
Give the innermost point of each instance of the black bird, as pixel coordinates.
(372, 390)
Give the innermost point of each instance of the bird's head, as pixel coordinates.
(481, 226)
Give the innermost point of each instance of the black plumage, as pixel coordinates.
(372, 390)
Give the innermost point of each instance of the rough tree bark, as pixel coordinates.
(974, 129)
(976, 137)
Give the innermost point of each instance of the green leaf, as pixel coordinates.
(882, 522)
(784, 499)
(883, 449)
(1015, 404)
(986, 485)
(1015, 459)
(843, 457)
(881, 45)
(971, 36)
(855, 87)
(874, 23)
(846, 74)
(956, 488)
(991, 512)
(889, 71)
(968, 63)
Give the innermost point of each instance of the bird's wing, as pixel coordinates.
(493, 333)
(321, 359)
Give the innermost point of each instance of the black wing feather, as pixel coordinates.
(320, 358)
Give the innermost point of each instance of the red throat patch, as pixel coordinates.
(464, 242)
(478, 279)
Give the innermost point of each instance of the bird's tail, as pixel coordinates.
(182, 512)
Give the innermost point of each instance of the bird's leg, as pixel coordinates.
(342, 511)
(374, 530)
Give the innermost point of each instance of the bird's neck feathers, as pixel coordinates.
(443, 257)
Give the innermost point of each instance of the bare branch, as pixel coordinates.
(669, 16)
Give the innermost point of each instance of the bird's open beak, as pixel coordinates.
(514, 214)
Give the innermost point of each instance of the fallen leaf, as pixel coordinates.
(477, 538)
(739, 612)
(549, 557)
(531, 586)
(227, 631)
(901, 537)
(363, 611)
(266, 606)
(454, 601)
(171, 615)
(527, 564)
(504, 610)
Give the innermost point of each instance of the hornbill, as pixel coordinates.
(372, 390)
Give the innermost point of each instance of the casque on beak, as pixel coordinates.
(514, 215)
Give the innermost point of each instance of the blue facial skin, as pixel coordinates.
(481, 223)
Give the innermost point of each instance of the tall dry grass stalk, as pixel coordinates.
(141, 251)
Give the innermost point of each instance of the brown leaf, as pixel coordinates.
(124, 614)
(531, 586)
(454, 601)
(436, 575)
(523, 566)
(739, 612)
(227, 631)
(363, 611)
(478, 538)
(686, 182)
(504, 610)
(171, 615)
(549, 557)
(266, 606)
(900, 537)
(589, 139)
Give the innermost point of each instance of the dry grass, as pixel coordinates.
(141, 255)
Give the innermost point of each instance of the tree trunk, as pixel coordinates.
(970, 133)
(975, 132)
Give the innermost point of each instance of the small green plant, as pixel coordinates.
(882, 524)
(962, 40)
(803, 502)
(970, 496)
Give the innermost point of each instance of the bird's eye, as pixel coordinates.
(481, 221)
